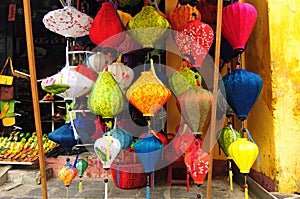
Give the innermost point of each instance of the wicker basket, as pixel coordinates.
(128, 174)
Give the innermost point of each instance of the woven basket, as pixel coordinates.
(128, 174)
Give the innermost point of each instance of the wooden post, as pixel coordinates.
(215, 94)
(34, 91)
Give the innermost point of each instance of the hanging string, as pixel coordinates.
(238, 63)
(67, 192)
(199, 191)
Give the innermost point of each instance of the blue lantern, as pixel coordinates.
(148, 150)
(242, 90)
(122, 135)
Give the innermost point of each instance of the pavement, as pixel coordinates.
(93, 188)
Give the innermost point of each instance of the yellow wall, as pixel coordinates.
(285, 55)
(273, 52)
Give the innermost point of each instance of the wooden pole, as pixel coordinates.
(34, 91)
(215, 95)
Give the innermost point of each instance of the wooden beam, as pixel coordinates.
(34, 91)
(215, 94)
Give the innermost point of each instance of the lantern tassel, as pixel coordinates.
(80, 186)
(230, 176)
(246, 188)
(148, 187)
(67, 192)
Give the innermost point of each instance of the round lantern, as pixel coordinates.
(195, 39)
(122, 74)
(181, 15)
(147, 26)
(243, 153)
(98, 61)
(183, 79)
(148, 93)
(67, 173)
(242, 89)
(226, 136)
(238, 20)
(106, 98)
(107, 148)
(195, 107)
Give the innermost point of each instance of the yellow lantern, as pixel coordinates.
(243, 153)
(148, 93)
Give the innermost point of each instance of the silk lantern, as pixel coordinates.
(107, 29)
(148, 150)
(147, 26)
(98, 61)
(67, 173)
(106, 98)
(181, 15)
(183, 79)
(81, 166)
(107, 148)
(238, 20)
(195, 107)
(124, 137)
(122, 74)
(195, 39)
(68, 22)
(226, 137)
(244, 154)
(148, 93)
(197, 164)
(242, 89)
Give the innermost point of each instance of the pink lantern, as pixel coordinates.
(238, 20)
(195, 39)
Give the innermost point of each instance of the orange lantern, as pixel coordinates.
(148, 94)
(67, 173)
(181, 15)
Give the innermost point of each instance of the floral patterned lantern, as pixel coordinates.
(68, 22)
(195, 39)
(122, 74)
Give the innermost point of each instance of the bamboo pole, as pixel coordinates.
(34, 91)
(215, 94)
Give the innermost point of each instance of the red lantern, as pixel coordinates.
(195, 39)
(106, 29)
(238, 20)
(197, 164)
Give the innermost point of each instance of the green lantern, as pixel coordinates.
(81, 166)
(106, 98)
(183, 79)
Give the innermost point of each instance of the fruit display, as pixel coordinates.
(23, 147)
